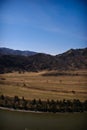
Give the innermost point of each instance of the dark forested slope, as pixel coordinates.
(72, 59)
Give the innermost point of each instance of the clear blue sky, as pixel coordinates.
(49, 26)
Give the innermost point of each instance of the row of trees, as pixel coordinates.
(45, 106)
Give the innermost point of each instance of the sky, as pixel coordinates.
(47, 26)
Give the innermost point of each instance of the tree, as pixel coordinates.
(2, 97)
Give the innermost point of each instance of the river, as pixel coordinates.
(15, 120)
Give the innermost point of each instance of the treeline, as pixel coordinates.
(44, 106)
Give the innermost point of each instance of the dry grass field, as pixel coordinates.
(33, 85)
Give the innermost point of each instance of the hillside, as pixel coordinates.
(71, 60)
(7, 51)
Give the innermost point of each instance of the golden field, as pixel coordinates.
(34, 85)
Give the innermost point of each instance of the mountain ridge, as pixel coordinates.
(70, 60)
(8, 51)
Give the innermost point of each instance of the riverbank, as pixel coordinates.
(37, 112)
(17, 110)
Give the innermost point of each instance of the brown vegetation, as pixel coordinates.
(33, 85)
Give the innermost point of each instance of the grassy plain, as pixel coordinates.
(33, 85)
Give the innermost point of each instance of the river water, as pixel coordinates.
(14, 120)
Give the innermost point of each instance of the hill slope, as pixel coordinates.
(7, 51)
(72, 59)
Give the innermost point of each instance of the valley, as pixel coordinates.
(45, 85)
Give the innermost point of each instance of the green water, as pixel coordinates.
(13, 120)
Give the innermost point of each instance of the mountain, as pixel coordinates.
(7, 51)
(71, 60)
